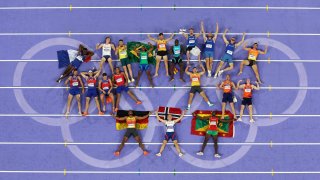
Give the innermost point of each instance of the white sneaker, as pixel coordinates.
(200, 153)
(215, 76)
(220, 72)
(210, 104)
(60, 79)
(252, 121)
(188, 108)
(129, 81)
(132, 80)
(217, 155)
(180, 154)
(159, 154)
(239, 119)
(209, 73)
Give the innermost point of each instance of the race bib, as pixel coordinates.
(252, 57)
(144, 57)
(131, 126)
(119, 80)
(208, 45)
(123, 52)
(191, 41)
(80, 58)
(91, 84)
(227, 87)
(247, 90)
(195, 79)
(213, 123)
(162, 46)
(105, 88)
(75, 84)
(177, 52)
(229, 52)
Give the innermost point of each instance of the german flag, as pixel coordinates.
(141, 124)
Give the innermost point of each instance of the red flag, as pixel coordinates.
(163, 112)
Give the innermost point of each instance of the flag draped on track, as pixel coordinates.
(163, 112)
(65, 57)
(132, 55)
(141, 124)
(200, 123)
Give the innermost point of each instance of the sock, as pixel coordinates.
(189, 105)
(208, 102)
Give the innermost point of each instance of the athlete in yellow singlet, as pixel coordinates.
(195, 85)
(253, 53)
(162, 51)
(121, 51)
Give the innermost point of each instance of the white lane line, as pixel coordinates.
(151, 143)
(145, 33)
(162, 7)
(161, 87)
(187, 115)
(193, 60)
(66, 172)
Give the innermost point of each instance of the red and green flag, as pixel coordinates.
(200, 123)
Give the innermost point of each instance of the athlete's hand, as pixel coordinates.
(104, 92)
(225, 31)
(244, 33)
(240, 80)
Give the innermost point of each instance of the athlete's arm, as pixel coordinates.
(157, 115)
(180, 118)
(245, 47)
(119, 118)
(99, 86)
(117, 51)
(143, 117)
(216, 33)
(203, 32)
(186, 70)
(203, 70)
(84, 75)
(97, 73)
(81, 83)
(171, 37)
(221, 85)
(111, 86)
(242, 40)
(98, 46)
(238, 84)
(234, 86)
(112, 46)
(185, 35)
(224, 37)
(197, 35)
(66, 82)
(265, 50)
(256, 87)
(151, 38)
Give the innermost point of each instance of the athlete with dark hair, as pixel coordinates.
(107, 47)
(177, 50)
(105, 87)
(144, 63)
(121, 51)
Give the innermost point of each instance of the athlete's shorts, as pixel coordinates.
(74, 91)
(162, 53)
(227, 97)
(125, 61)
(246, 101)
(170, 135)
(252, 62)
(92, 93)
(189, 48)
(76, 63)
(144, 67)
(227, 58)
(106, 57)
(131, 132)
(107, 94)
(122, 88)
(176, 60)
(209, 54)
(212, 133)
(195, 89)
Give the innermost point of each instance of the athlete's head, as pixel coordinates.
(90, 73)
(130, 113)
(228, 77)
(169, 117)
(104, 76)
(117, 70)
(120, 42)
(233, 40)
(108, 39)
(191, 30)
(161, 36)
(75, 72)
(255, 46)
(176, 42)
(194, 70)
(143, 48)
(248, 81)
(210, 35)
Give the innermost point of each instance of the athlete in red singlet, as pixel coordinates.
(105, 87)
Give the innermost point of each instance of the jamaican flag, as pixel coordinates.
(200, 123)
(132, 55)
(141, 124)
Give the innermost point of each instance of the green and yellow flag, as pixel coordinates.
(132, 55)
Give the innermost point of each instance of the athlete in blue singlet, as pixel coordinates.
(191, 44)
(209, 47)
(228, 54)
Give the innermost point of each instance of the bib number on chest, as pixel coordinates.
(162, 46)
(227, 87)
(208, 45)
(195, 79)
(119, 80)
(252, 57)
(75, 84)
(229, 52)
(247, 90)
(191, 41)
(213, 123)
(91, 84)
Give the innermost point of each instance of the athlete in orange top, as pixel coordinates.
(162, 51)
(247, 97)
(131, 121)
(253, 53)
(195, 85)
(227, 87)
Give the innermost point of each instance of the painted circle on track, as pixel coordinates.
(236, 156)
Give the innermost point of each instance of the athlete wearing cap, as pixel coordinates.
(195, 85)
(231, 45)
(107, 48)
(161, 51)
(209, 41)
(247, 97)
(253, 53)
(170, 133)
